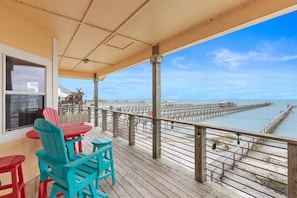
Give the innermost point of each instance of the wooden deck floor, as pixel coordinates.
(138, 175)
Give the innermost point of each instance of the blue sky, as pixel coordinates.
(259, 62)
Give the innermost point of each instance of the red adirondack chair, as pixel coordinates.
(51, 115)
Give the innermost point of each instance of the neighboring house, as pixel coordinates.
(63, 92)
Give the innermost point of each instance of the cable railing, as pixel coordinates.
(255, 167)
(178, 143)
(74, 114)
(254, 164)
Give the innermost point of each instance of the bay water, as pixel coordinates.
(254, 120)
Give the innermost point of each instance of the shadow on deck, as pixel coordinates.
(139, 175)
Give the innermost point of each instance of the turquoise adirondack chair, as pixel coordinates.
(73, 178)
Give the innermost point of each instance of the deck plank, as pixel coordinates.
(159, 178)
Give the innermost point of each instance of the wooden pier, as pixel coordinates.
(274, 123)
(228, 161)
(185, 112)
(213, 111)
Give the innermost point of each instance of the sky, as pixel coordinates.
(259, 62)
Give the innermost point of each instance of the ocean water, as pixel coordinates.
(255, 119)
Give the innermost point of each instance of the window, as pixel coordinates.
(25, 93)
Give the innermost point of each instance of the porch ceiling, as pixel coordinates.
(117, 34)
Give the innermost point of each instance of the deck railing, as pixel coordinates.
(74, 114)
(254, 164)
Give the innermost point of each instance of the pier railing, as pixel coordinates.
(255, 164)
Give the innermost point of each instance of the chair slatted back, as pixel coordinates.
(52, 140)
(51, 115)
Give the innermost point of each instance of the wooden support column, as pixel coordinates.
(200, 154)
(292, 170)
(95, 100)
(156, 61)
(132, 127)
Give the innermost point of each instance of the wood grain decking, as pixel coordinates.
(139, 175)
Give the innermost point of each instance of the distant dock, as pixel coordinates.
(185, 112)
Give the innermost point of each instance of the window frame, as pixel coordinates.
(18, 133)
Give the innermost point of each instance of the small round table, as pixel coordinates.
(100, 142)
(70, 131)
(13, 164)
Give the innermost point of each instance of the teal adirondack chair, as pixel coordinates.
(73, 178)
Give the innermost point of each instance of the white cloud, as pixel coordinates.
(277, 51)
(288, 58)
(181, 63)
(225, 57)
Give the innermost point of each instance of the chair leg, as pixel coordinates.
(42, 192)
(112, 168)
(93, 191)
(21, 181)
(54, 192)
(80, 194)
(97, 182)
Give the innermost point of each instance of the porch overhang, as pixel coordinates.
(114, 35)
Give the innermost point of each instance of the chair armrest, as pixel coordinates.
(70, 146)
(46, 160)
(40, 152)
(86, 158)
(43, 168)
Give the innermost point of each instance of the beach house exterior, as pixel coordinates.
(43, 40)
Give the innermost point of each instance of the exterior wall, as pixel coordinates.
(24, 146)
(22, 37)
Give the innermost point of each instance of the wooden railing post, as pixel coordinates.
(132, 128)
(61, 115)
(115, 123)
(89, 114)
(104, 120)
(292, 170)
(200, 154)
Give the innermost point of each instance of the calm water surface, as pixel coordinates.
(255, 119)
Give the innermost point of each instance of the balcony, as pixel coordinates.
(138, 175)
(196, 160)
